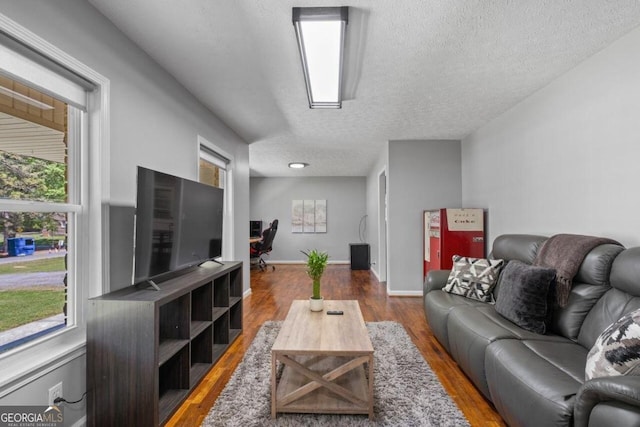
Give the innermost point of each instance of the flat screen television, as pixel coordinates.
(178, 224)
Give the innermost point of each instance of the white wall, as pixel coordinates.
(154, 123)
(271, 198)
(566, 158)
(421, 175)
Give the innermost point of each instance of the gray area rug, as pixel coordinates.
(406, 391)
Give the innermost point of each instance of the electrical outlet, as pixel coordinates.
(55, 392)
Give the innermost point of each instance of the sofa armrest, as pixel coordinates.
(623, 389)
(436, 279)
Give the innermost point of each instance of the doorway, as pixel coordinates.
(382, 226)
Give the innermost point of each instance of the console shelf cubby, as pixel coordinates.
(147, 349)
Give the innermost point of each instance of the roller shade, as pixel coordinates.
(24, 64)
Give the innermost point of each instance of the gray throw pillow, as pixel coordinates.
(522, 295)
(474, 278)
(617, 349)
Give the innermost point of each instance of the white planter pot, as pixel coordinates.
(316, 304)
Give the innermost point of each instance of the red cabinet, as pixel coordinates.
(449, 232)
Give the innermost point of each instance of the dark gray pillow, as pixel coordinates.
(522, 295)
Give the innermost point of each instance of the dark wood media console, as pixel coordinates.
(147, 349)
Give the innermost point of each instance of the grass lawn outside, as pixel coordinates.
(22, 306)
(27, 265)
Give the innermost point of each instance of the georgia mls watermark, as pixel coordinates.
(32, 416)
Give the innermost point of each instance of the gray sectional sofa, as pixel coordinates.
(539, 379)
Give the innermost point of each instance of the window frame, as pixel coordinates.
(203, 145)
(213, 159)
(37, 358)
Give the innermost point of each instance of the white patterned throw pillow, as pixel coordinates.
(474, 278)
(617, 349)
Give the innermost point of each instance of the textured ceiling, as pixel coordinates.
(416, 69)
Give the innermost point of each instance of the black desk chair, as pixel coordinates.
(263, 247)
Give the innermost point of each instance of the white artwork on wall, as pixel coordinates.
(321, 216)
(309, 216)
(297, 216)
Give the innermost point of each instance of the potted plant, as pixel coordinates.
(316, 263)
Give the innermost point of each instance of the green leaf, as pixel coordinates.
(316, 264)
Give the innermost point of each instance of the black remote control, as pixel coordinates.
(334, 312)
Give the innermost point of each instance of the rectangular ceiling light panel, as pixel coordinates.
(320, 32)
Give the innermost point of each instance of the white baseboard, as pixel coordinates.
(404, 293)
(304, 262)
(246, 293)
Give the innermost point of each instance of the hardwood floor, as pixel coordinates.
(272, 293)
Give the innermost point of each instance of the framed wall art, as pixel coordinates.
(309, 216)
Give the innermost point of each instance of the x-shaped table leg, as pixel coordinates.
(323, 381)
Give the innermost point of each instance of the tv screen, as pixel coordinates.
(178, 224)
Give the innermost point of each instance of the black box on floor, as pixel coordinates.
(360, 256)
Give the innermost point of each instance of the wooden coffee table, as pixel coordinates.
(324, 359)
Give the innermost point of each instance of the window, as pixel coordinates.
(215, 168)
(53, 183)
(35, 130)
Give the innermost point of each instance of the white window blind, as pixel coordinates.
(23, 64)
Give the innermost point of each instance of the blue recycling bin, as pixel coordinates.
(20, 246)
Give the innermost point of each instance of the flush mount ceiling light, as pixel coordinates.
(320, 32)
(298, 165)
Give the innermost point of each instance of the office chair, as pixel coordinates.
(263, 247)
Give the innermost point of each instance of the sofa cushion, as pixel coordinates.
(612, 306)
(437, 306)
(435, 281)
(567, 321)
(625, 272)
(623, 298)
(617, 349)
(474, 278)
(521, 247)
(533, 383)
(516, 331)
(522, 297)
(469, 334)
(596, 266)
(471, 329)
(591, 282)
